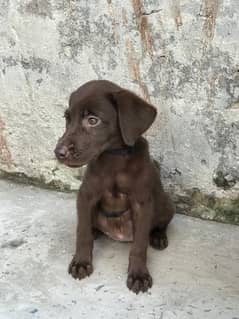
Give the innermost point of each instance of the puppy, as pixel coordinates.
(121, 194)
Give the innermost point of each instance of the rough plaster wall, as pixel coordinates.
(183, 56)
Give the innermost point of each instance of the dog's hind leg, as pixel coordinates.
(96, 233)
(158, 238)
(164, 211)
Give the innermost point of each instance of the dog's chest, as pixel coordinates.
(114, 216)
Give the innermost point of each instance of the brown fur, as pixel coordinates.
(128, 182)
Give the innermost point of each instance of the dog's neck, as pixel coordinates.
(120, 148)
(117, 157)
(124, 150)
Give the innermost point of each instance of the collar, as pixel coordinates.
(127, 150)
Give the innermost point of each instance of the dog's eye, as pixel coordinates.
(93, 121)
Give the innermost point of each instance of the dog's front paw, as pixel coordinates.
(78, 269)
(139, 281)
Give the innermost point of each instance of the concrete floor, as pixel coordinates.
(197, 276)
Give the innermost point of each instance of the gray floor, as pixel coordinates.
(197, 276)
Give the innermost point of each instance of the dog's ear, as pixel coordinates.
(135, 115)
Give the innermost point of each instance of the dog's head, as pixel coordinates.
(101, 115)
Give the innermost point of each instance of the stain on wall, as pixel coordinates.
(28, 63)
(143, 27)
(176, 12)
(124, 16)
(4, 7)
(41, 8)
(5, 155)
(209, 12)
(134, 69)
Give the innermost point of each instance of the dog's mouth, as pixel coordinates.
(73, 162)
(75, 158)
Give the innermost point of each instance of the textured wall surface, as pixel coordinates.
(183, 56)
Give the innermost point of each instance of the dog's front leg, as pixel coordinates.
(139, 278)
(81, 264)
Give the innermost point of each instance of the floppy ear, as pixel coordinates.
(135, 115)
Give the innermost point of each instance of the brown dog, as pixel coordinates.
(121, 194)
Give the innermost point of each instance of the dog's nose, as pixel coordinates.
(62, 152)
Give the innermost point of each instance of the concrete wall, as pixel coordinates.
(183, 56)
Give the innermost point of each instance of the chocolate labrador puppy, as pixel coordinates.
(121, 194)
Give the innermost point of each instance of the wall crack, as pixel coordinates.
(151, 12)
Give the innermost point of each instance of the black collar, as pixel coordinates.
(127, 150)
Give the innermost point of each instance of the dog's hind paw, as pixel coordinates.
(96, 233)
(158, 239)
